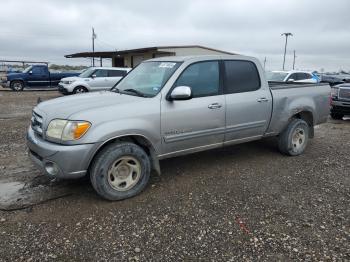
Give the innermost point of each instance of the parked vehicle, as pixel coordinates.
(292, 76)
(93, 79)
(168, 107)
(35, 76)
(331, 80)
(340, 105)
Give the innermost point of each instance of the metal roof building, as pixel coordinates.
(132, 57)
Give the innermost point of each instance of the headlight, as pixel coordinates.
(67, 130)
(334, 91)
(68, 82)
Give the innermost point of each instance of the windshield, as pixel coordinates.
(148, 78)
(87, 73)
(27, 69)
(276, 76)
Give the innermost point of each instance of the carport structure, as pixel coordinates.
(133, 57)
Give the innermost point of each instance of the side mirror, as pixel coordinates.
(93, 76)
(181, 93)
(30, 72)
(290, 80)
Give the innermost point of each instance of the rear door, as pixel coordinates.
(38, 77)
(99, 81)
(199, 122)
(248, 101)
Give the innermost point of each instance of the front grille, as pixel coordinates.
(37, 122)
(344, 93)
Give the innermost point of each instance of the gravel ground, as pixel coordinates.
(246, 202)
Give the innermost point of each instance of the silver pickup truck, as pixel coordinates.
(168, 107)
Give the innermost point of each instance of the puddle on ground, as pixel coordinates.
(10, 190)
(15, 195)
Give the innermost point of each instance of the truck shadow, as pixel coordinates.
(220, 157)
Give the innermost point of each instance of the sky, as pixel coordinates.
(48, 30)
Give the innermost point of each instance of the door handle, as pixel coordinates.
(214, 106)
(262, 99)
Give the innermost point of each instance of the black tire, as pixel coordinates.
(80, 89)
(337, 116)
(101, 178)
(293, 140)
(17, 86)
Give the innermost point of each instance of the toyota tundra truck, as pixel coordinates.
(168, 107)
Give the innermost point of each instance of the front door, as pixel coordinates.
(248, 101)
(38, 77)
(197, 123)
(99, 80)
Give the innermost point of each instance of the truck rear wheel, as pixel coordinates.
(17, 86)
(293, 140)
(120, 171)
(337, 116)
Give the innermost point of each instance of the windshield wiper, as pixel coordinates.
(137, 92)
(114, 89)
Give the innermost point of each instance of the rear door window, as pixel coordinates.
(304, 76)
(116, 73)
(240, 76)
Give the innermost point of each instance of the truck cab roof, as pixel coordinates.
(200, 58)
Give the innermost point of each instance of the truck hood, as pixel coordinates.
(13, 76)
(64, 107)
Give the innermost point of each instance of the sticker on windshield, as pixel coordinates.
(167, 65)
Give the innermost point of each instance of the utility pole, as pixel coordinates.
(285, 46)
(93, 46)
(294, 56)
(264, 62)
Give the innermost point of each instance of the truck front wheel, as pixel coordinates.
(17, 86)
(293, 140)
(120, 171)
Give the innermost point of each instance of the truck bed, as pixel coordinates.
(291, 98)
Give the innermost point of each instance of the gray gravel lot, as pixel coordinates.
(246, 202)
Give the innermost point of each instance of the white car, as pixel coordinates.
(92, 79)
(292, 76)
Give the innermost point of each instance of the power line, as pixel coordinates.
(107, 44)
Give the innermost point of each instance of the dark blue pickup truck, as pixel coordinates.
(35, 76)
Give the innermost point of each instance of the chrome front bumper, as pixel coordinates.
(72, 161)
